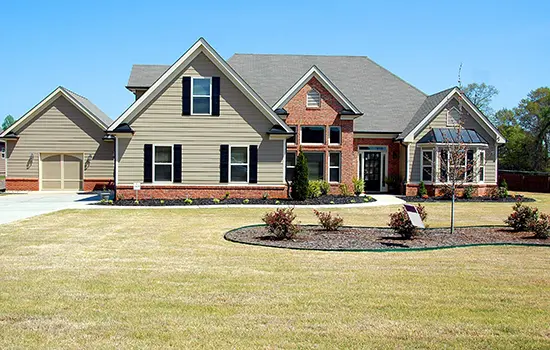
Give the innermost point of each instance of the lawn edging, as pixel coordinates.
(382, 250)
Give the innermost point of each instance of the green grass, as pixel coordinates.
(167, 279)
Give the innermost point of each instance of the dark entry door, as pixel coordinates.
(372, 165)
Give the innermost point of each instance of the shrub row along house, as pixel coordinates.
(204, 126)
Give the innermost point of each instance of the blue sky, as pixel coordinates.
(89, 47)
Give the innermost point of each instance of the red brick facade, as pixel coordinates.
(97, 184)
(22, 184)
(179, 192)
(436, 190)
(393, 153)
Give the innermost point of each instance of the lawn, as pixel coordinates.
(166, 278)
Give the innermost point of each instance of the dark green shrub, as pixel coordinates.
(281, 223)
(522, 217)
(422, 191)
(300, 184)
(402, 225)
(328, 221)
(358, 185)
(469, 191)
(324, 186)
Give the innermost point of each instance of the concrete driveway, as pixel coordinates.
(19, 206)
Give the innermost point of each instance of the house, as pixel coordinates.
(205, 126)
(2, 159)
(59, 145)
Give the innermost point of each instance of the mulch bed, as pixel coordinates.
(509, 199)
(372, 238)
(329, 199)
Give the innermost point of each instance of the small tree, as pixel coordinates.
(8, 121)
(300, 184)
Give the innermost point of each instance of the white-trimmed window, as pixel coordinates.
(2, 151)
(238, 164)
(312, 135)
(335, 135)
(290, 165)
(163, 164)
(201, 96)
(427, 162)
(481, 166)
(334, 166)
(313, 99)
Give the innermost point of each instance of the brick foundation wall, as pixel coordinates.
(479, 190)
(22, 184)
(178, 192)
(97, 184)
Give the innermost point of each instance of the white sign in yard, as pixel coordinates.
(137, 186)
(416, 220)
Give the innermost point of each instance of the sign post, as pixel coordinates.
(137, 187)
(415, 218)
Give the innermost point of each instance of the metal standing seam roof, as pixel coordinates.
(88, 105)
(445, 135)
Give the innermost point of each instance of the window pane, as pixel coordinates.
(293, 138)
(201, 105)
(238, 173)
(427, 158)
(289, 174)
(335, 135)
(290, 159)
(163, 172)
(335, 159)
(335, 174)
(201, 87)
(482, 174)
(315, 164)
(313, 134)
(470, 164)
(426, 174)
(163, 154)
(239, 155)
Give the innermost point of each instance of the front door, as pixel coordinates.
(372, 164)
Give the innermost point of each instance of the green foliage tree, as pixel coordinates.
(8, 121)
(514, 155)
(482, 95)
(300, 184)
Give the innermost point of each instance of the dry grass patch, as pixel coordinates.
(166, 278)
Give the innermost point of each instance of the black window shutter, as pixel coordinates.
(253, 167)
(224, 163)
(147, 163)
(215, 95)
(186, 96)
(177, 164)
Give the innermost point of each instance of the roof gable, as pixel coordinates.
(315, 72)
(80, 102)
(201, 46)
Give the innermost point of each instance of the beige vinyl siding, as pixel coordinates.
(440, 121)
(60, 128)
(239, 123)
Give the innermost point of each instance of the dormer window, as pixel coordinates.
(201, 96)
(313, 99)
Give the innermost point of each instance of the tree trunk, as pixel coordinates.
(453, 212)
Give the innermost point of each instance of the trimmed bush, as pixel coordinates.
(522, 217)
(300, 184)
(422, 191)
(314, 189)
(358, 185)
(541, 226)
(328, 221)
(324, 186)
(281, 223)
(402, 225)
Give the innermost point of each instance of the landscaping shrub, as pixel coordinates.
(281, 223)
(401, 224)
(216, 201)
(469, 192)
(422, 191)
(246, 201)
(314, 189)
(446, 191)
(188, 201)
(328, 221)
(344, 190)
(500, 191)
(300, 184)
(324, 186)
(358, 185)
(265, 196)
(541, 226)
(522, 217)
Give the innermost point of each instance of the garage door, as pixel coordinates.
(61, 172)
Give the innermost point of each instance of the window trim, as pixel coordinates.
(286, 163)
(323, 177)
(477, 151)
(155, 163)
(339, 131)
(209, 96)
(230, 163)
(313, 143)
(422, 166)
(313, 90)
(339, 167)
(481, 165)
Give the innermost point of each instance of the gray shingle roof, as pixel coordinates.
(88, 105)
(427, 106)
(389, 103)
(144, 75)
